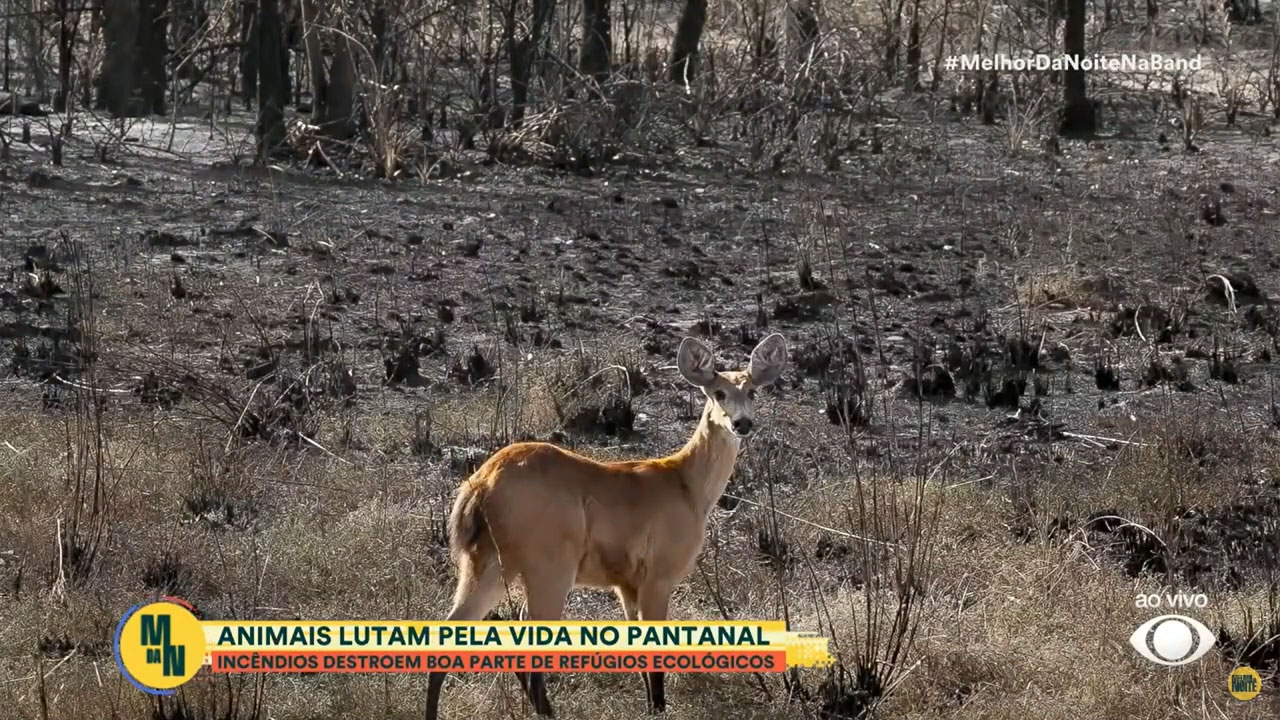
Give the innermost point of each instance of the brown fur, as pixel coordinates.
(466, 523)
(611, 524)
(548, 519)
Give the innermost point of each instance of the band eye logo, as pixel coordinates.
(1172, 640)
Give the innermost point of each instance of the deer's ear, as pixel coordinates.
(696, 362)
(768, 360)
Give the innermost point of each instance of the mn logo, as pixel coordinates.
(160, 646)
(155, 639)
(1244, 683)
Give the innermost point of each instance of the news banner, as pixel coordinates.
(162, 645)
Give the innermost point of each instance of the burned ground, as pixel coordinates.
(258, 388)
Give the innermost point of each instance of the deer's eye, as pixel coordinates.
(719, 395)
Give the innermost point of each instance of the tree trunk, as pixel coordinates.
(66, 48)
(1055, 10)
(893, 42)
(913, 50)
(1077, 113)
(688, 36)
(525, 54)
(272, 78)
(119, 79)
(8, 48)
(153, 53)
(378, 28)
(31, 37)
(597, 40)
(340, 110)
(942, 39)
(988, 96)
(522, 53)
(315, 61)
(517, 48)
(249, 50)
(189, 17)
(283, 55)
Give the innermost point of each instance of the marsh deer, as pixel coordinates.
(555, 520)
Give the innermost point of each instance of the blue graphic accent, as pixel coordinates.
(120, 662)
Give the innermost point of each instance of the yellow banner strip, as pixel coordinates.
(803, 649)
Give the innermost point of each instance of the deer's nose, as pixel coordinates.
(742, 426)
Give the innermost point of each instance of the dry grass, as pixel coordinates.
(1069, 288)
(1010, 627)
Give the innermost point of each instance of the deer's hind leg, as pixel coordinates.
(475, 596)
(546, 591)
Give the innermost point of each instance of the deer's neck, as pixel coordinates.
(706, 461)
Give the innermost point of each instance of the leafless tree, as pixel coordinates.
(1077, 113)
